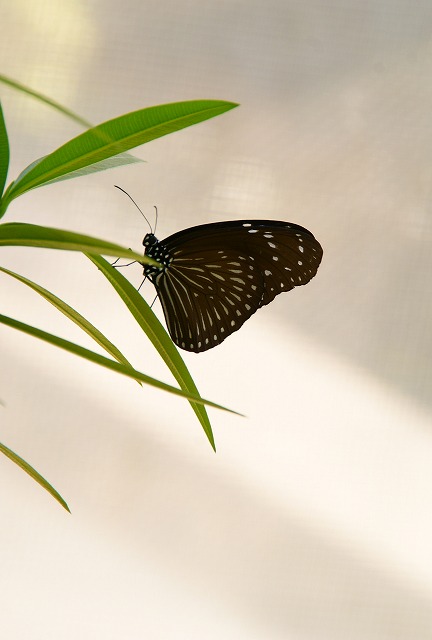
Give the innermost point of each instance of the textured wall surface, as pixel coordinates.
(312, 521)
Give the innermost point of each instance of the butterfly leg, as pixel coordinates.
(145, 278)
(119, 266)
(113, 264)
(154, 300)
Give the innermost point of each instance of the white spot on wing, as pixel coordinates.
(217, 275)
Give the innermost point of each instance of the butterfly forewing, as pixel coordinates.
(216, 276)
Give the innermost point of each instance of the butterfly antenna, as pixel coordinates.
(156, 220)
(130, 198)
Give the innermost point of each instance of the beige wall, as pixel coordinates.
(312, 521)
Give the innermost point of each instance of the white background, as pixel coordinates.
(312, 521)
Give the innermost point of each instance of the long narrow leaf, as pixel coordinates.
(4, 152)
(33, 474)
(120, 160)
(104, 362)
(32, 235)
(114, 137)
(157, 334)
(73, 315)
(39, 96)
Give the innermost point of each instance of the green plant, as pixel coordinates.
(102, 147)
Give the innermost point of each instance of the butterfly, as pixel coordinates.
(213, 277)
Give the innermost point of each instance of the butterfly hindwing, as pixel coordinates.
(206, 299)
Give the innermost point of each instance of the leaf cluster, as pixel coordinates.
(99, 148)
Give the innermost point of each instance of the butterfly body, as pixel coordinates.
(213, 277)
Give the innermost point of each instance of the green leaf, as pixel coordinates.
(104, 362)
(120, 160)
(73, 315)
(116, 161)
(157, 334)
(32, 235)
(4, 152)
(33, 474)
(35, 94)
(114, 137)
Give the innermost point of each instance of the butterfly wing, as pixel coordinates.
(220, 274)
(206, 298)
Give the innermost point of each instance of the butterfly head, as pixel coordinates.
(149, 241)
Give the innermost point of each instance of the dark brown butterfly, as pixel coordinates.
(215, 276)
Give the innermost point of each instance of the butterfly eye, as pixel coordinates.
(214, 277)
